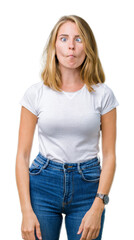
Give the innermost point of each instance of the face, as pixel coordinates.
(69, 47)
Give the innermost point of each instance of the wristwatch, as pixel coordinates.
(104, 197)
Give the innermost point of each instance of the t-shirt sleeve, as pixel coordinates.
(29, 100)
(109, 100)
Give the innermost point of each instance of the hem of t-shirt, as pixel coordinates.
(31, 110)
(109, 108)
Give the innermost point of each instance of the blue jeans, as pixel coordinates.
(63, 188)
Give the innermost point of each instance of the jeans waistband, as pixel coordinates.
(88, 163)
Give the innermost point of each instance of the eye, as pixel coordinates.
(79, 39)
(63, 39)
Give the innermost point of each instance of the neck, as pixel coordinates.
(70, 77)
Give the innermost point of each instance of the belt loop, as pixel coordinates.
(46, 164)
(79, 169)
(63, 167)
(98, 158)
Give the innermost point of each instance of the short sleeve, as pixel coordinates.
(29, 100)
(109, 100)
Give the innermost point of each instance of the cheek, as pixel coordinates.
(82, 54)
(81, 51)
(59, 49)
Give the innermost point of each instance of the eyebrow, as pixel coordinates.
(68, 35)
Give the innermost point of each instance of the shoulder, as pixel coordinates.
(106, 88)
(106, 98)
(102, 89)
(32, 96)
(35, 90)
(36, 86)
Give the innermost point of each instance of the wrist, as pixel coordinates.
(104, 197)
(98, 204)
(26, 210)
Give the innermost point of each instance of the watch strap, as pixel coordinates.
(104, 197)
(100, 195)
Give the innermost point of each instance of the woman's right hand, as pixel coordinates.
(29, 223)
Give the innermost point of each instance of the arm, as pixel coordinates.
(91, 222)
(26, 131)
(109, 156)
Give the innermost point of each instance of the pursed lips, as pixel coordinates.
(71, 55)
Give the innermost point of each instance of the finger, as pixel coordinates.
(80, 228)
(22, 235)
(31, 235)
(96, 234)
(89, 236)
(38, 231)
(84, 234)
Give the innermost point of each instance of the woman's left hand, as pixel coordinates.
(90, 224)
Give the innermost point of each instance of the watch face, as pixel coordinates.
(106, 199)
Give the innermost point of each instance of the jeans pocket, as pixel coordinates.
(91, 174)
(36, 167)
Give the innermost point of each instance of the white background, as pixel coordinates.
(25, 27)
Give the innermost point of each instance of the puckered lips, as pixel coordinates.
(71, 56)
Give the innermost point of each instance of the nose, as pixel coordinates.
(71, 47)
(71, 44)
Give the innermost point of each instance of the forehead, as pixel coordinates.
(68, 27)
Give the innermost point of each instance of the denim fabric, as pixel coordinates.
(63, 188)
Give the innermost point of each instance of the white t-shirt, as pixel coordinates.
(69, 122)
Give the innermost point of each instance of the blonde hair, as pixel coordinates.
(91, 71)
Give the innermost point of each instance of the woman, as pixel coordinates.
(71, 105)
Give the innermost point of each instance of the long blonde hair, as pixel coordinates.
(91, 69)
